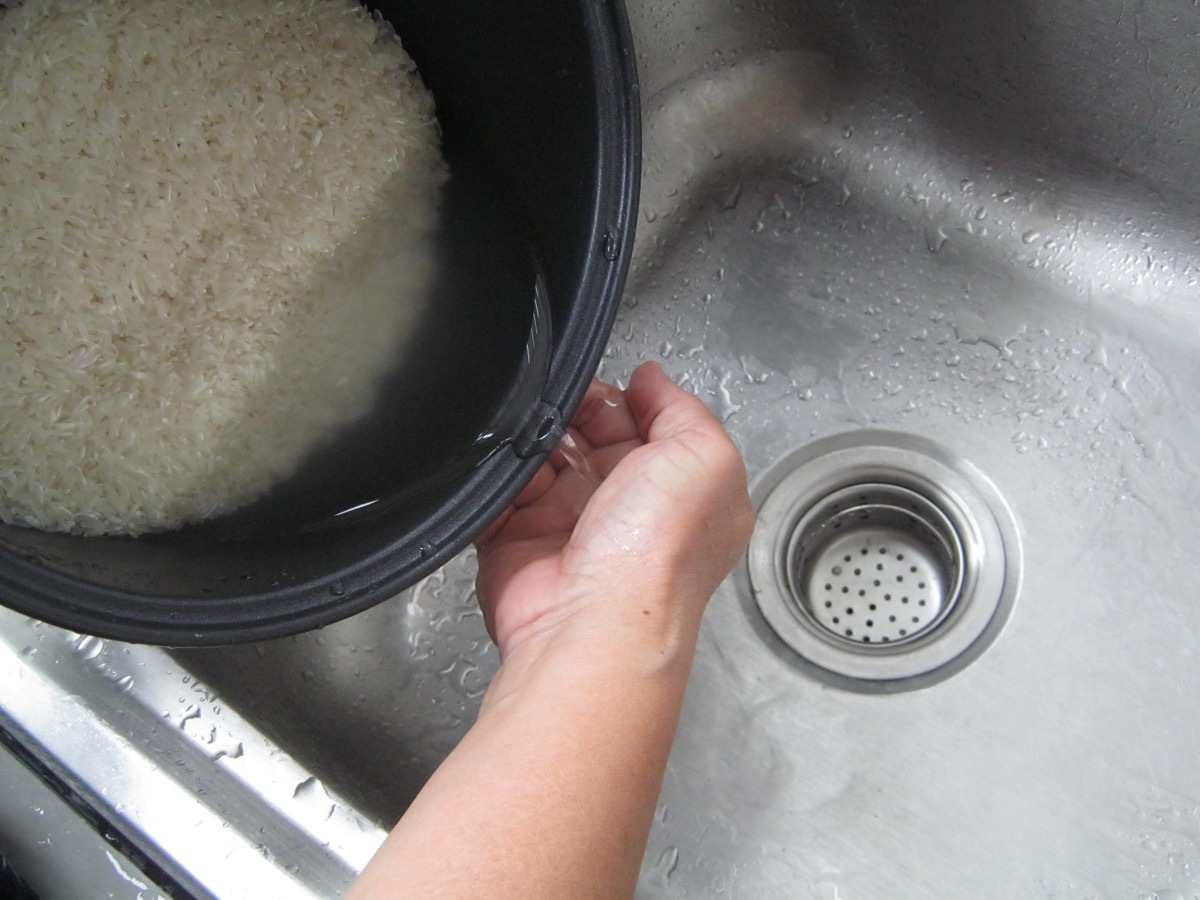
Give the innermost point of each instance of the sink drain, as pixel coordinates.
(882, 560)
(876, 564)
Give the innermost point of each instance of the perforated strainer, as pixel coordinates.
(882, 560)
(875, 563)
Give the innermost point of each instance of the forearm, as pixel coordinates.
(552, 792)
(593, 593)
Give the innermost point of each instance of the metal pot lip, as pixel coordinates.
(178, 621)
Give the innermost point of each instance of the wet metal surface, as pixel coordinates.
(975, 223)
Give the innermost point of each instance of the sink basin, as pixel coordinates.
(968, 226)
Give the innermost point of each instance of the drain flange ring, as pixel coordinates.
(881, 559)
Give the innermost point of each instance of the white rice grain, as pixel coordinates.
(216, 220)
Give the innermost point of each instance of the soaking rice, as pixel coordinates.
(216, 225)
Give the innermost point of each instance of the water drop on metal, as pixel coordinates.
(88, 647)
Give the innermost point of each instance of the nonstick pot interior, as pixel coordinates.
(538, 106)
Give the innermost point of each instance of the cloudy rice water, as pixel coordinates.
(216, 224)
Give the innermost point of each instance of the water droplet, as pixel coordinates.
(612, 243)
(1030, 236)
(224, 745)
(309, 787)
(191, 713)
(337, 589)
(726, 405)
(88, 647)
(668, 862)
(804, 179)
(728, 199)
(935, 238)
(125, 683)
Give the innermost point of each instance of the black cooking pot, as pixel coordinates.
(539, 112)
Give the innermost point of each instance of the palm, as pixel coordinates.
(647, 489)
(531, 560)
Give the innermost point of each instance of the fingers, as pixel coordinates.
(662, 409)
(667, 413)
(542, 481)
(604, 417)
(609, 425)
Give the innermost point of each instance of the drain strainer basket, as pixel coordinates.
(882, 560)
(876, 564)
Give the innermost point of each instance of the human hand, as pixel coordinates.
(593, 584)
(636, 534)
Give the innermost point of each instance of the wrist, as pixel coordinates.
(636, 641)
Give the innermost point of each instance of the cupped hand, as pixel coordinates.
(642, 512)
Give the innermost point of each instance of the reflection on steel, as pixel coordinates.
(191, 783)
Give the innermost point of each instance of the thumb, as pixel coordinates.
(662, 409)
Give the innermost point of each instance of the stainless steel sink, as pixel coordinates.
(967, 226)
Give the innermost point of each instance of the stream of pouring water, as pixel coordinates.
(574, 456)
